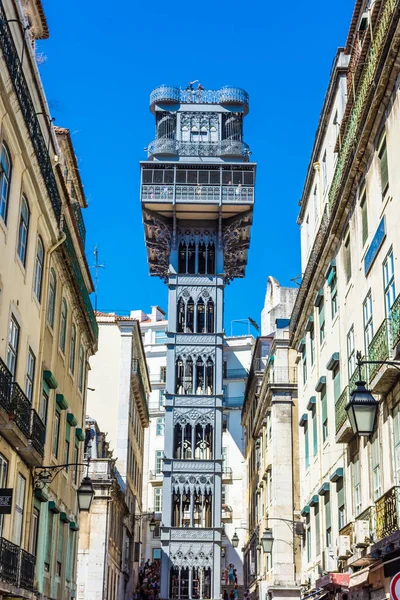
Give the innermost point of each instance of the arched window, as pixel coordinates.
(191, 268)
(180, 317)
(188, 380)
(209, 377)
(210, 327)
(160, 426)
(63, 325)
(189, 328)
(5, 177)
(200, 316)
(23, 229)
(81, 371)
(72, 349)
(38, 277)
(199, 376)
(211, 258)
(182, 258)
(51, 300)
(179, 370)
(202, 258)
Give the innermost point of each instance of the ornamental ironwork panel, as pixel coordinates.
(9, 561)
(387, 513)
(340, 409)
(395, 321)
(77, 211)
(378, 349)
(5, 386)
(20, 409)
(38, 433)
(225, 95)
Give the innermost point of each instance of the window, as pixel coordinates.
(30, 374)
(308, 540)
(158, 499)
(49, 541)
(161, 337)
(12, 349)
(340, 501)
(328, 525)
(351, 353)
(356, 485)
(306, 446)
(388, 281)
(63, 325)
(76, 461)
(223, 495)
(396, 440)
(324, 414)
(3, 483)
(317, 530)
(312, 346)
(347, 257)
(19, 510)
(159, 455)
(304, 357)
(38, 276)
(72, 349)
(368, 322)
(34, 531)
(81, 368)
(51, 300)
(5, 176)
(156, 536)
(315, 430)
(315, 203)
(163, 374)
(43, 405)
(364, 217)
(376, 466)
(383, 166)
(160, 426)
(321, 313)
(161, 398)
(324, 173)
(23, 229)
(56, 433)
(66, 454)
(336, 383)
(332, 282)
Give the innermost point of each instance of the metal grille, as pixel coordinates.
(27, 570)
(9, 561)
(38, 432)
(20, 409)
(5, 386)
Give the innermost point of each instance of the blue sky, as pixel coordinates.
(102, 63)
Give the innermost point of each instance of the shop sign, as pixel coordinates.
(5, 501)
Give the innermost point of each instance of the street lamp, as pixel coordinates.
(267, 541)
(235, 540)
(362, 410)
(85, 494)
(152, 524)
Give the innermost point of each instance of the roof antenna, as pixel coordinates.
(96, 266)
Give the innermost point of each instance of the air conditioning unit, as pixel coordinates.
(361, 534)
(344, 550)
(330, 559)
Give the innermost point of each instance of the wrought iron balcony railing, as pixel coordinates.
(340, 409)
(172, 147)
(9, 561)
(356, 376)
(380, 347)
(17, 566)
(387, 513)
(395, 322)
(27, 570)
(155, 475)
(37, 433)
(225, 95)
(282, 375)
(77, 212)
(80, 283)
(20, 409)
(197, 193)
(5, 386)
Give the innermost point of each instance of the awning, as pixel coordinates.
(359, 579)
(333, 580)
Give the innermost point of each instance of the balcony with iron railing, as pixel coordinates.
(225, 194)
(20, 425)
(222, 148)
(344, 432)
(227, 512)
(77, 212)
(17, 567)
(281, 375)
(170, 94)
(387, 513)
(382, 377)
(155, 476)
(227, 474)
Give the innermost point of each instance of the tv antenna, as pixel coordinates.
(96, 267)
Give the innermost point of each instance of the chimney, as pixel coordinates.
(157, 314)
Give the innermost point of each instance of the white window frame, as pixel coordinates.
(388, 282)
(30, 374)
(13, 345)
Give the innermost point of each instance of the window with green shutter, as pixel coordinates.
(364, 217)
(321, 315)
(336, 383)
(340, 503)
(324, 413)
(383, 165)
(347, 256)
(68, 561)
(315, 431)
(317, 530)
(49, 541)
(307, 446)
(328, 522)
(60, 547)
